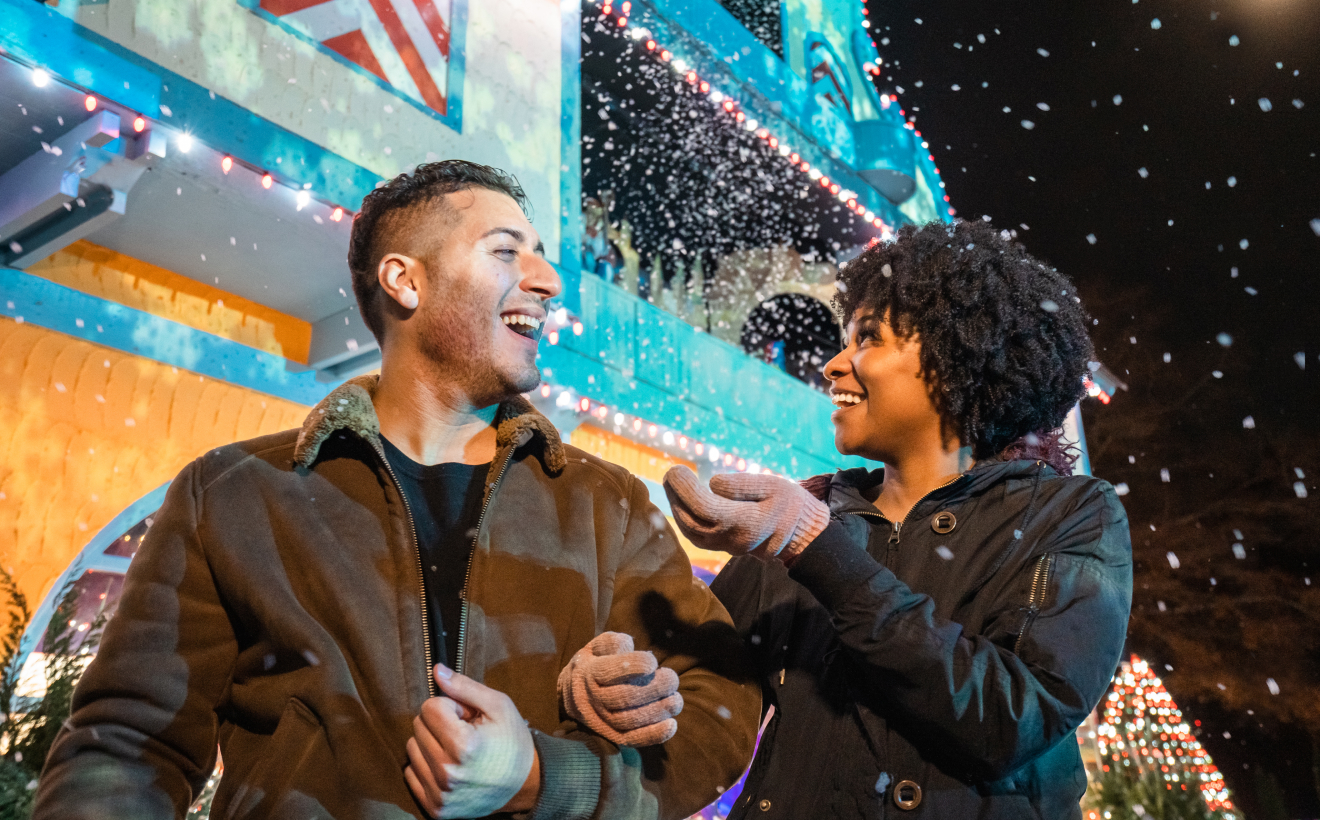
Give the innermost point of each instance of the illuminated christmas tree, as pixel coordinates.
(1150, 763)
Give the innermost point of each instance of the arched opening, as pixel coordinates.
(794, 332)
(92, 583)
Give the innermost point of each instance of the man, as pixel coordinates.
(932, 633)
(370, 614)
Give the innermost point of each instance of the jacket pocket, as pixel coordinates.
(296, 752)
(1040, 580)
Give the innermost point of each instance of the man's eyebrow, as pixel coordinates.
(518, 236)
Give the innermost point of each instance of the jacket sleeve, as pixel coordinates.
(141, 740)
(668, 611)
(995, 701)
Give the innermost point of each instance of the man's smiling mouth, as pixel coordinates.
(524, 324)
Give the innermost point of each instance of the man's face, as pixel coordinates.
(487, 286)
(876, 383)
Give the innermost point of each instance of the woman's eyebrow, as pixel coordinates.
(869, 322)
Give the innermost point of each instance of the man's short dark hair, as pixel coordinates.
(385, 213)
(1004, 342)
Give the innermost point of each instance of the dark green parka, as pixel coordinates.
(936, 667)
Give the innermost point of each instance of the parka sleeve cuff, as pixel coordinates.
(570, 779)
(833, 566)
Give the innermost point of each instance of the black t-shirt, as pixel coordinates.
(445, 500)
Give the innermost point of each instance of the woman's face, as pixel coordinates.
(884, 403)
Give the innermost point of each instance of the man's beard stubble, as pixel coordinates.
(458, 347)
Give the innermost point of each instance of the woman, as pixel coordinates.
(930, 634)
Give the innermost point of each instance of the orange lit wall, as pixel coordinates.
(644, 462)
(86, 430)
(638, 459)
(108, 275)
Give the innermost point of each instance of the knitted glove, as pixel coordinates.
(759, 514)
(624, 696)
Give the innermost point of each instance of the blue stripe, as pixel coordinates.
(29, 298)
(85, 58)
(42, 36)
(570, 150)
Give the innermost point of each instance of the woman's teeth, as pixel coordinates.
(845, 399)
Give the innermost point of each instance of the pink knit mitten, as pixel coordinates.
(622, 695)
(759, 514)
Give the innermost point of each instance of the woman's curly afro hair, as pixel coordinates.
(1003, 336)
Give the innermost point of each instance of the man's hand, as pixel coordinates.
(758, 514)
(471, 753)
(621, 694)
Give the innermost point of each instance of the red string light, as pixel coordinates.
(731, 107)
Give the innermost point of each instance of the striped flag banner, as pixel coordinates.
(403, 42)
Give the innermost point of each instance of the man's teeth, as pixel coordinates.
(846, 399)
(519, 320)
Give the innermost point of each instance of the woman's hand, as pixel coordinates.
(760, 515)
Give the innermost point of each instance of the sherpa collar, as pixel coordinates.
(349, 407)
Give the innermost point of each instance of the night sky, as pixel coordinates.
(1168, 164)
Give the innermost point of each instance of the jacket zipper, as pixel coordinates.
(431, 688)
(1039, 580)
(467, 576)
(896, 527)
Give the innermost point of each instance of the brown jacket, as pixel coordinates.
(276, 607)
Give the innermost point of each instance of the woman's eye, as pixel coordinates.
(507, 253)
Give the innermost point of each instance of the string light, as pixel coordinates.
(185, 142)
(1143, 728)
(637, 426)
(872, 67)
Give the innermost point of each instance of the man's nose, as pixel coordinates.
(541, 278)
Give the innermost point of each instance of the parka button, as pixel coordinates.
(907, 795)
(943, 522)
(764, 805)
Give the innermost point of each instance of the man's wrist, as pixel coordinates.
(525, 799)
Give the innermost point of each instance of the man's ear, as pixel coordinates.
(401, 278)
